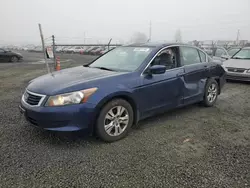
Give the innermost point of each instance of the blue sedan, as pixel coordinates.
(123, 86)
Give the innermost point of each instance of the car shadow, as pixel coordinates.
(80, 138)
(77, 138)
(238, 82)
(165, 116)
(5, 61)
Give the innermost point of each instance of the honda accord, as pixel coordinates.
(127, 84)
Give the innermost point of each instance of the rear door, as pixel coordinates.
(196, 70)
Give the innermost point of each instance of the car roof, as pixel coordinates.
(248, 48)
(154, 45)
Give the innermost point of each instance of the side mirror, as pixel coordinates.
(157, 69)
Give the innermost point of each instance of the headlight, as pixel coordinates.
(248, 71)
(76, 97)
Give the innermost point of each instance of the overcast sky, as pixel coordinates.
(119, 19)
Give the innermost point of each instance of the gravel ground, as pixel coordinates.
(189, 147)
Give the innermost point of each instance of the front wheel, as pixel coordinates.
(13, 59)
(211, 93)
(114, 121)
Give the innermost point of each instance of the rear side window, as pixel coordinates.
(203, 56)
(189, 56)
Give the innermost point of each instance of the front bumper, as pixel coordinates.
(238, 76)
(64, 118)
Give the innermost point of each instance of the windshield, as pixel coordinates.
(123, 58)
(233, 51)
(242, 54)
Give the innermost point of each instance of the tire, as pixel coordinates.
(117, 125)
(13, 59)
(211, 93)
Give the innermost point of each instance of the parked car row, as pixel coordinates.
(219, 53)
(90, 50)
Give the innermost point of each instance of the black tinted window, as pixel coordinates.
(189, 56)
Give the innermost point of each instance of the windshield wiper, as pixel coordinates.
(237, 58)
(103, 68)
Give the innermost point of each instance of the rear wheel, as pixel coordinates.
(211, 93)
(13, 59)
(114, 121)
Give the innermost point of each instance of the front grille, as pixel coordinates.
(240, 70)
(32, 98)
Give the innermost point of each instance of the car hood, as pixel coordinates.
(67, 79)
(237, 63)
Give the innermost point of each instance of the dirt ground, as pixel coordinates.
(189, 147)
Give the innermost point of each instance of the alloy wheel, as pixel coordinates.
(14, 59)
(116, 121)
(212, 93)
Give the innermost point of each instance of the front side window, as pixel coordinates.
(242, 54)
(123, 58)
(166, 57)
(189, 55)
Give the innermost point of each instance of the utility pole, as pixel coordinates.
(44, 52)
(150, 31)
(238, 37)
(54, 50)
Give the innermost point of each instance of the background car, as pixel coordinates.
(217, 53)
(59, 49)
(238, 67)
(7, 55)
(77, 49)
(96, 51)
(88, 51)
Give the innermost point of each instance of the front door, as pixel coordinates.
(160, 92)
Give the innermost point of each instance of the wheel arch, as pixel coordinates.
(119, 95)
